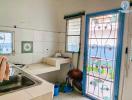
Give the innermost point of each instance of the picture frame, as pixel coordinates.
(27, 46)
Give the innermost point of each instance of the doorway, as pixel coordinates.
(102, 54)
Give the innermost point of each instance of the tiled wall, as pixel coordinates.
(44, 44)
(61, 40)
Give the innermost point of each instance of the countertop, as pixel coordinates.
(30, 93)
(40, 68)
(50, 64)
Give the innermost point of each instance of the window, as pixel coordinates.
(6, 42)
(73, 34)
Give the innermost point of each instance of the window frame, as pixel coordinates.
(13, 42)
(66, 35)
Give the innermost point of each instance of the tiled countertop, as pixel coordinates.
(40, 68)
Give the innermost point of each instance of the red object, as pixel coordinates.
(75, 74)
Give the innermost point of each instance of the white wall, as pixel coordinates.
(40, 15)
(90, 6)
(126, 73)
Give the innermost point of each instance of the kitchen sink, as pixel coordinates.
(18, 80)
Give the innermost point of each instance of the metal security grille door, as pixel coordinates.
(102, 41)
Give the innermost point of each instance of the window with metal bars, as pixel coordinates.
(73, 33)
(6, 43)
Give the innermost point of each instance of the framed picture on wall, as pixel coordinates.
(27, 46)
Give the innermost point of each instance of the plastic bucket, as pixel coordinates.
(56, 89)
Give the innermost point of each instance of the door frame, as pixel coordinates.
(118, 54)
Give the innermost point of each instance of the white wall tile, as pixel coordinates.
(24, 35)
(44, 45)
(61, 37)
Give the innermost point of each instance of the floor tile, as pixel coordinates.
(70, 96)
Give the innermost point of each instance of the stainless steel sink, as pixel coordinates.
(18, 80)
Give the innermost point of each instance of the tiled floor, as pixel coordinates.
(70, 96)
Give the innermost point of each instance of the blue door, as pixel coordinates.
(102, 54)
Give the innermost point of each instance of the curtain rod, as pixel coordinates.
(74, 15)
